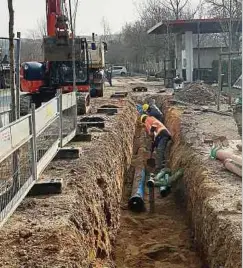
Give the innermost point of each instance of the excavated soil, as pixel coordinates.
(78, 228)
(158, 239)
(211, 193)
(199, 93)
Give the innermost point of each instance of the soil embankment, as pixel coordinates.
(211, 193)
(78, 227)
(158, 239)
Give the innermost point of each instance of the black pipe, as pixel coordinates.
(136, 202)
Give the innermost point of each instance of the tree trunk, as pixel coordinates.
(11, 60)
(15, 156)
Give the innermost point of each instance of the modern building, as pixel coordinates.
(210, 45)
(187, 30)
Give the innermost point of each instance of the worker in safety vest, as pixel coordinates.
(153, 110)
(160, 137)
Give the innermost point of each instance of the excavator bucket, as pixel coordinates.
(61, 49)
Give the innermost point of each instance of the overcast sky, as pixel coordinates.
(90, 13)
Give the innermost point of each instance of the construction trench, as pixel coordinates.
(89, 224)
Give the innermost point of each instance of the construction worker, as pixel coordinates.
(160, 137)
(153, 110)
(108, 75)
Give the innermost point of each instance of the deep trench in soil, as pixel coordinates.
(78, 228)
(160, 239)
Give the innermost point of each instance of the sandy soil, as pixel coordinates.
(78, 228)
(212, 194)
(159, 239)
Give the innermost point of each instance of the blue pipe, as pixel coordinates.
(136, 202)
(139, 109)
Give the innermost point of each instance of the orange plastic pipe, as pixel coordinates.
(222, 155)
(232, 166)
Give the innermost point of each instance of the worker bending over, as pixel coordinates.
(160, 137)
(153, 110)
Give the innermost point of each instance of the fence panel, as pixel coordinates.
(5, 94)
(45, 115)
(68, 117)
(13, 136)
(47, 133)
(28, 146)
(17, 174)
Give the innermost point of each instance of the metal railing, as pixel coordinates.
(5, 91)
(28, 146)
(238, 83)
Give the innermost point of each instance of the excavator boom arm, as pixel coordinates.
(54, 10)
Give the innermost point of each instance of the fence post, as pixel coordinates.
(75, 113)
(18, 75)
(33, 142)
(59, 108)
(219, 81)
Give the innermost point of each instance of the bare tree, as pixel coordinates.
(176, 7)
(14, 116)
(39, 31)
(42, 27)
(232, 10)
(31, 48)
(11, 59)
(181, 9)
(152, 12)
(150, 51)
(106, 30)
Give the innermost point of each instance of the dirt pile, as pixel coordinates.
(78, 227)
(199, 94)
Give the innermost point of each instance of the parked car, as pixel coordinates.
(118, 70)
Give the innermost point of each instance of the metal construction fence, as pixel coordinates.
(29, 144)
(5, 91)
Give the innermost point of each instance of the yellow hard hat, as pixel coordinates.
(143, 117)
(145, 107)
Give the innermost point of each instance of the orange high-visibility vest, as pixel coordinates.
(153, 122)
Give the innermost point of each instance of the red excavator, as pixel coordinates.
(41, 80)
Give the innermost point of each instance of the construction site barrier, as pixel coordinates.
(6, 100)
(29, 144)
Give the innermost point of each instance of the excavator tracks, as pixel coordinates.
(25, 104)
(83, 103)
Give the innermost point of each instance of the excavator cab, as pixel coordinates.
(57, 69)
(61, 73)
(41, 80)
(60, 61)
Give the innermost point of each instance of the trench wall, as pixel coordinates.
(215, 223)
(78, 227)
(210, 195)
